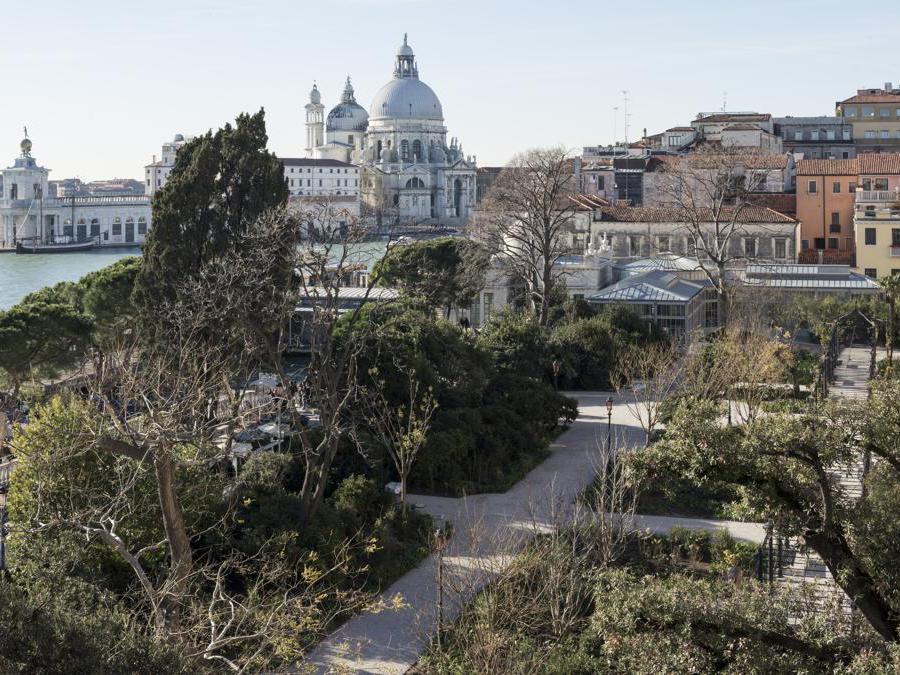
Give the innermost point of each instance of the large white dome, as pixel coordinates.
(406, 98)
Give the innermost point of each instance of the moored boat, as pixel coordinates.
(72, 247)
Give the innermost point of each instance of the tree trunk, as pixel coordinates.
(889, 338)
(856, 582)
(176, 533)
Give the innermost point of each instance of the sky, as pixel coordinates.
(102, 84)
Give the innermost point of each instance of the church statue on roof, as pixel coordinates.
(410, 172)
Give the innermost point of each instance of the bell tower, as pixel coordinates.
(315, 122)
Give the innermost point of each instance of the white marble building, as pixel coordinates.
(157, 172)
(27, 215)
(410, 172)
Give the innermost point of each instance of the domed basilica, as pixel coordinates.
(410, 172)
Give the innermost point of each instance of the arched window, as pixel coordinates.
(81, 230)
(117, 227)
(396, 200)
(142, 225)
(379, 150)
(67, 227)
(415, 183)
(417, 150)
(95, 227)
(404, 150)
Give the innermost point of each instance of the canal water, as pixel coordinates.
(22, 274)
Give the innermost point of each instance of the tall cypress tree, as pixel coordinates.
(220, 184)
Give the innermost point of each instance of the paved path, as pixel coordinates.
(487, 531)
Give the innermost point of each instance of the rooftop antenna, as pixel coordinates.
(724, 100)
(625, 124)
(615, 124)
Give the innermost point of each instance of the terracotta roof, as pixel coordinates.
(595, 164)
(736, 117)
(827, 167)
(588, 202)
(674, 214)
(879, 162)
(873, 98)
(750, 160)
(781, 202)
(302, 161)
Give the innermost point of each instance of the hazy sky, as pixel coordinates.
(101, 84)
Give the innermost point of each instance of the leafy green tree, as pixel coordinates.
(518, 344)
(891, 286)
(67, 627)
(106, 295)
(790, 467)
(447, 272)
(221, 183)
(41, 338)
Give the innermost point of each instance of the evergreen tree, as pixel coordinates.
(220, 184)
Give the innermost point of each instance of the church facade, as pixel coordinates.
(410, 173)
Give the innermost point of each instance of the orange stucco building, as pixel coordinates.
(825, 204)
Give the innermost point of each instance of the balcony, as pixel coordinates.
(895, 250)
(877, 196)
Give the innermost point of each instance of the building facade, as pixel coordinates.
(874, 115)
(410, 172)
(157, 172)
(877, 214)
(321, 178)
(28, 215)
(816, 137)
(825, 204)
(760, 234)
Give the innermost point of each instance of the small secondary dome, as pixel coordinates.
(314, 96)
(348, 115)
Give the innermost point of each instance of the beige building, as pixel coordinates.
(875, 117)
(877, 214)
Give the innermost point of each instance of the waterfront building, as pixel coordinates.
(157, 172)
(874, 115)
(410, 172)
(28, 214)
(321, 178)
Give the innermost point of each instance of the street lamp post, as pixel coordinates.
(440, 543)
